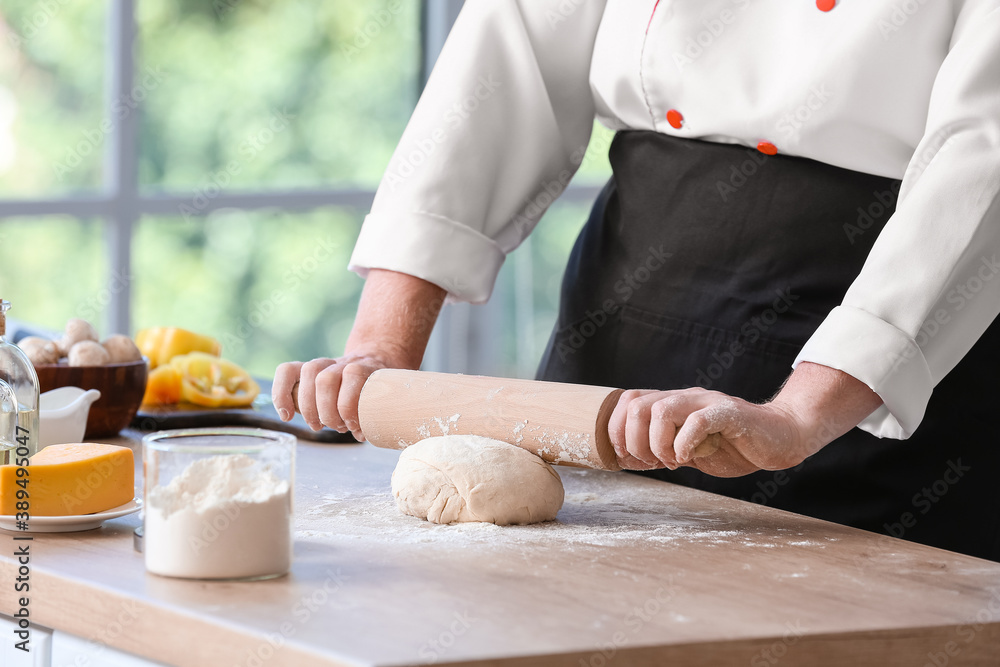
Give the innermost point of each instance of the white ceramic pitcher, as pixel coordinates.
(63, 415)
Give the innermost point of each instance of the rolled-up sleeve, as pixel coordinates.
(931, 285)
(499, 131)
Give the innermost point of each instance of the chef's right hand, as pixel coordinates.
(394, 320)
(326, 391)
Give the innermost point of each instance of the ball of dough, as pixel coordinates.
(456, 478)
(76, 330)
(88, 353)
(121, 349)
(40, 351)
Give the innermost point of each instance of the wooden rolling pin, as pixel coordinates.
(565, 424)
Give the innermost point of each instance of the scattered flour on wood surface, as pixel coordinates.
(580, 498)
(595, 512)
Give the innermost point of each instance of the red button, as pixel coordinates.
(675, 119)
(826, 5)
(767, 148)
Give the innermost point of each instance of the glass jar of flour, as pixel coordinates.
(218, 503)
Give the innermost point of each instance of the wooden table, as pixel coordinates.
(634, 572)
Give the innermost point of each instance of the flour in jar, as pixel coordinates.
(222, 517)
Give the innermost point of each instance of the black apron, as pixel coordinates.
(710, 265)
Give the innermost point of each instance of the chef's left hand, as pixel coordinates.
(653, 429)
(656, 429)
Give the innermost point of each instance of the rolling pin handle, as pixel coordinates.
(708, 446)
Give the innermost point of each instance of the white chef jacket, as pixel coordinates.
(905, 89)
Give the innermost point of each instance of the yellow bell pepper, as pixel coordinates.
(163, 387)
(212, 382)
(161, 344)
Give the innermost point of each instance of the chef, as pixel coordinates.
(795, 268)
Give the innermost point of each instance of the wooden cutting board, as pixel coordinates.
(259, 415)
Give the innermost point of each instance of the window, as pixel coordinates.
(208, 165)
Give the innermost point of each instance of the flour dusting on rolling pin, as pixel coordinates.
(564, 424)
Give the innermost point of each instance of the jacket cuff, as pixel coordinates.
(883, 357)
(449, 254)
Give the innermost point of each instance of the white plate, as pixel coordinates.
(69, 524)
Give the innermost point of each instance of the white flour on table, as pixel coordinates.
(593, 514)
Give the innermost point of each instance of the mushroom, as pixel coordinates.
(40, 351)
(121, 349)
(76, 330)
(88, 353)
